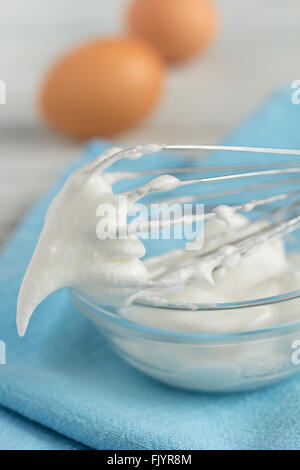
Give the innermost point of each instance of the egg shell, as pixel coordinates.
(102, 88)
(177, 28)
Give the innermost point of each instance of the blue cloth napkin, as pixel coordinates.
(63, 375)
(17, 432)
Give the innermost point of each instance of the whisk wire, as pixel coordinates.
(265, 231)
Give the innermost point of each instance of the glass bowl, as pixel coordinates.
(204, 362)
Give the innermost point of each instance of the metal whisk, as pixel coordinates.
(273, 199)
(111, 271)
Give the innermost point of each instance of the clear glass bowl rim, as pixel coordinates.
(103, 311)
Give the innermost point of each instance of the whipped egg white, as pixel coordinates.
(111, 272)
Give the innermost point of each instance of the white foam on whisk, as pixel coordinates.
(111, 272)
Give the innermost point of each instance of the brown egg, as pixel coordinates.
(102, 88)
(177, 28)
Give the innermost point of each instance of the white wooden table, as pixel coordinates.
(258, 49)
